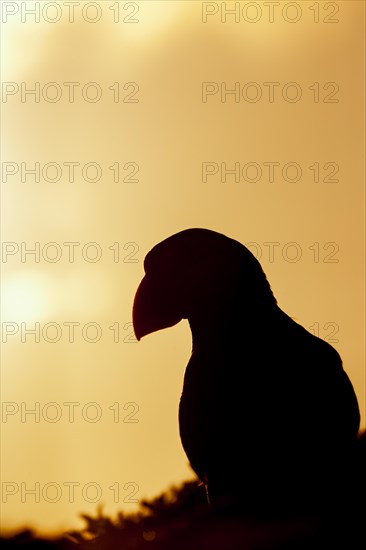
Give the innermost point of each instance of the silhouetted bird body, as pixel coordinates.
(267, 415)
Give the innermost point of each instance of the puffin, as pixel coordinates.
(268, 417)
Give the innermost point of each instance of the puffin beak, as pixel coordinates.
(152, 309)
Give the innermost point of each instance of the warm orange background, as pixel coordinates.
(169, 133)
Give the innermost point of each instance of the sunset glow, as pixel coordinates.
(117, 134)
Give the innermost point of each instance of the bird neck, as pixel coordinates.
(210, 327)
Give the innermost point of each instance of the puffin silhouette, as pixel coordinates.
(267, 417)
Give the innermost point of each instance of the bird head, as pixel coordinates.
(191, 271)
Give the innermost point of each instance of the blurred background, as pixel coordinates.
(123, 123)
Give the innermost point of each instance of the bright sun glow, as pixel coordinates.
(150, 19)
(24, 297)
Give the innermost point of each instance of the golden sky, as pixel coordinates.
(147, 118)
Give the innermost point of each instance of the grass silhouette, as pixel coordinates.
(180, 519)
